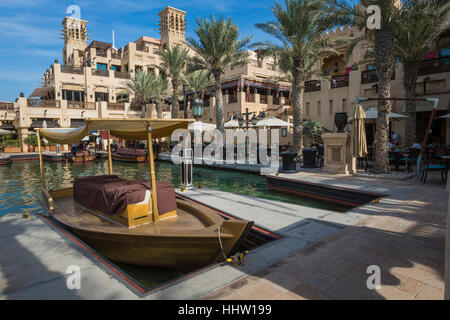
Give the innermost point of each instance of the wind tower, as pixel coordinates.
(172, 26)
(75, 40)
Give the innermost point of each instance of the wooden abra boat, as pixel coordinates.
(81, 156)
(131, 155)
(134, 222)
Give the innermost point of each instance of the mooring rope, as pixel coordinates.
(220, 241)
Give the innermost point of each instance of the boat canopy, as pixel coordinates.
(133, 129)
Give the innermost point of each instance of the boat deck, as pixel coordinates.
(72, 215)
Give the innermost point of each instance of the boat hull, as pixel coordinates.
(130, 158)
(173, 242)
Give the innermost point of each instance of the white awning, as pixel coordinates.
(272, 122)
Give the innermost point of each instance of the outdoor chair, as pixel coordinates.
(430, 163)
(411, 160)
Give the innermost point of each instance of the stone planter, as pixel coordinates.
(31, 148)
(52, 148)
(12, 149)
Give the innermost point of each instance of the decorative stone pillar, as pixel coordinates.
(22, 135)
(337, 152)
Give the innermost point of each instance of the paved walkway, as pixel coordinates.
(404, 235)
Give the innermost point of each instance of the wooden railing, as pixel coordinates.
(121, 75)
(101, 53)
(116, 106)
(71, 69)
(232, 98)
(263, 99)
(115, 55)
(81, 105)
(276, 101)
(340, 81)
(370, 76)
(135, 107)
(42, 103)
(6, 106)
(250, 97)
(142, 48)
(436, 65)
(313, 85)
(102, 73)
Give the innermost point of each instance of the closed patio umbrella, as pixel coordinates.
(359, 133)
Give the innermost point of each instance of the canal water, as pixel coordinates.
(20, 185)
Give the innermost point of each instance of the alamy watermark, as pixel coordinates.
(236, 147)
(73, 280)
(374, 20)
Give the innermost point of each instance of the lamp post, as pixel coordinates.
(197, 106)
(254, 120)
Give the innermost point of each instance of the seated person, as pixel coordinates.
(416, 145)
(390, 145)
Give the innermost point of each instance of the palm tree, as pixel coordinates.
(198, 82)
(298, 28)
(140, 86)
(159, 89)
(341, 12)
(420, 24)
(173, 65)
(217, 48)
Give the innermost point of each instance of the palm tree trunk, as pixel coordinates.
(410, 75)
(158, 109)
(175, 104)
(298, 89)
(219, 101)
(384, 62)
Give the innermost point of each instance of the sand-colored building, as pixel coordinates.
(89, 83)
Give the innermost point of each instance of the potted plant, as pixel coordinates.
(32, 142)
(11, 145)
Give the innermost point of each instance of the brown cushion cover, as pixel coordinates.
(111, 195)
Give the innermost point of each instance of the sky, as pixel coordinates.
(30, 30)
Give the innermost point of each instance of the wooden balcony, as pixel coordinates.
(42, 103)
(340, 81)
(101, 73)
(370, 76)
(81, 105)
(71, 69)
(115, 55)
(135, 107)
(250, 97)
(116, 106)
(232, 98)
(101, 53)
(8, 106)
(263, 99)
(436, 65)
(121, 75)
(142, 48)
(276, 101)
(313, 85)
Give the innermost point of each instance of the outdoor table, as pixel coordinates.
(397, 155)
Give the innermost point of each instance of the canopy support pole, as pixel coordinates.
(155, 212)
(41, 163)
(109, 154)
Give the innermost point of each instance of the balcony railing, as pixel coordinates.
(232, 98)
(115, 55)
(250, 97)
(135, 107)
(102, 73)
(81, 105)
(263, 99)
(116, 106)
(6, 106)
(141, 47)
(276, 101)
(370, 76)
(71, 69)
(101, 53)
(339, 81)
(436, 65)
(121, 75)
(42, 103)
(313, 85)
